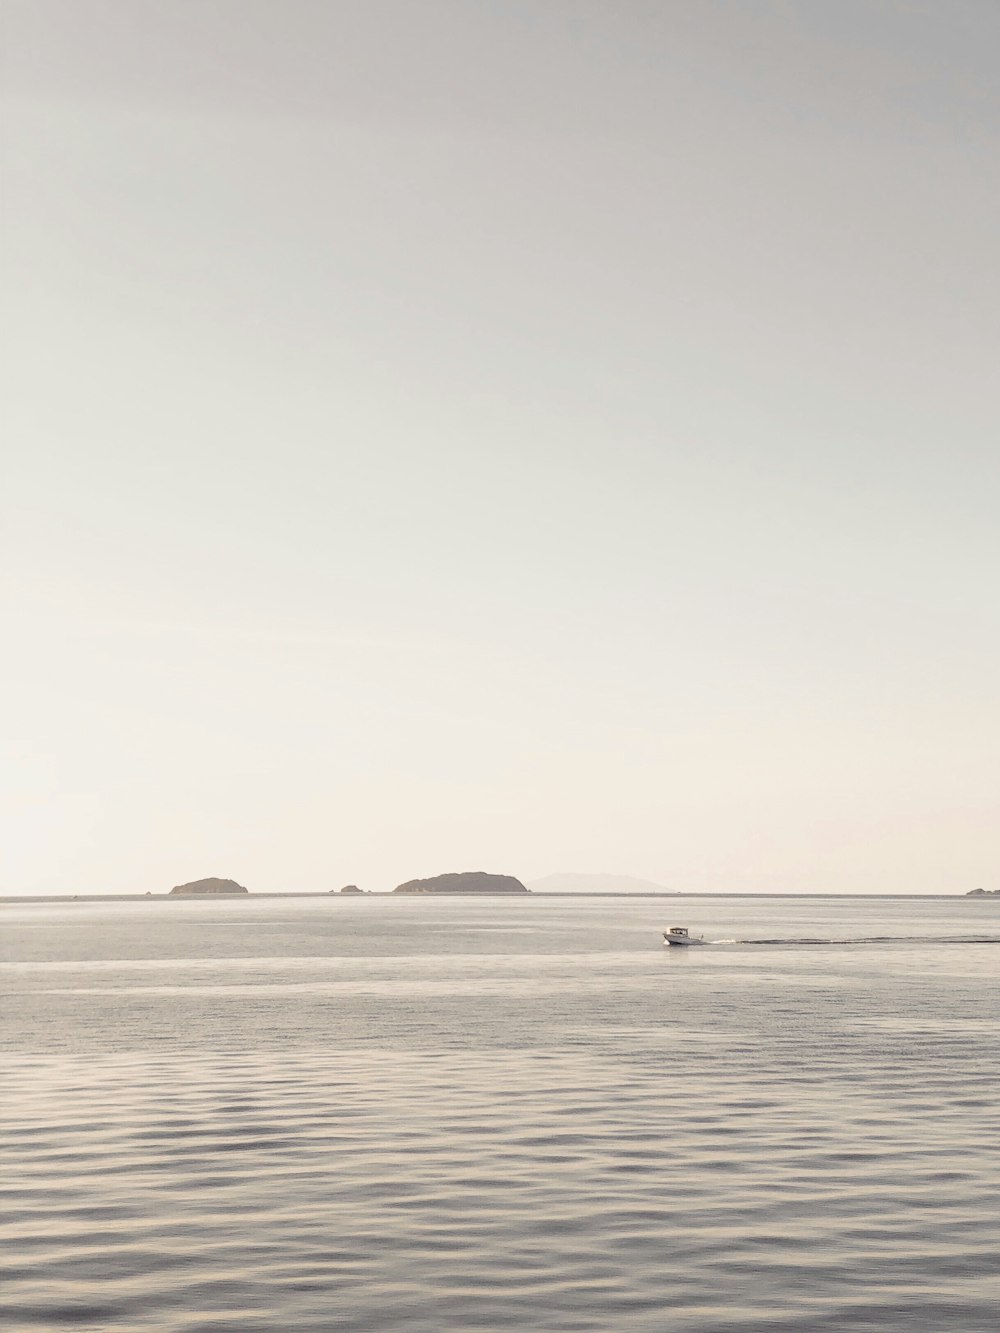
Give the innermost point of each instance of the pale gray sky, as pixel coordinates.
(529, 436)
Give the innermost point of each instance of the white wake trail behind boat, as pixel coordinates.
(865, 939)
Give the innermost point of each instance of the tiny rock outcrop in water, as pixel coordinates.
(349, 888)
(201, 886)
(468, 881)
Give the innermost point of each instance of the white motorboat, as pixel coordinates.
(678, 936)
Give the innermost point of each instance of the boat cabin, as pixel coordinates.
(677, 930)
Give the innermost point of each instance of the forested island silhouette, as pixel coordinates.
(466, 881)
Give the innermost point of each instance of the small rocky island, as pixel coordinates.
(468, 881)
(198, 887)
(983, 893)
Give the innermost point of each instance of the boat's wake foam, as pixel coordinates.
(871, 939)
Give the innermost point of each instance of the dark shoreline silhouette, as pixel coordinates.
(149, 897)
(468, 881)
(209, 886)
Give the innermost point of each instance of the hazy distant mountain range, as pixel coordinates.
(595, 884)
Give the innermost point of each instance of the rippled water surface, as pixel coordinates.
(459, 1114)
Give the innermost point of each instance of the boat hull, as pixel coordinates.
(681, 941)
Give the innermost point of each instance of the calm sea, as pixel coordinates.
(470, 1114)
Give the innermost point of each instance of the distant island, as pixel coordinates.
(983, 893)
(576, 883)
(468, 881)
(348, 888)
(198, 887)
